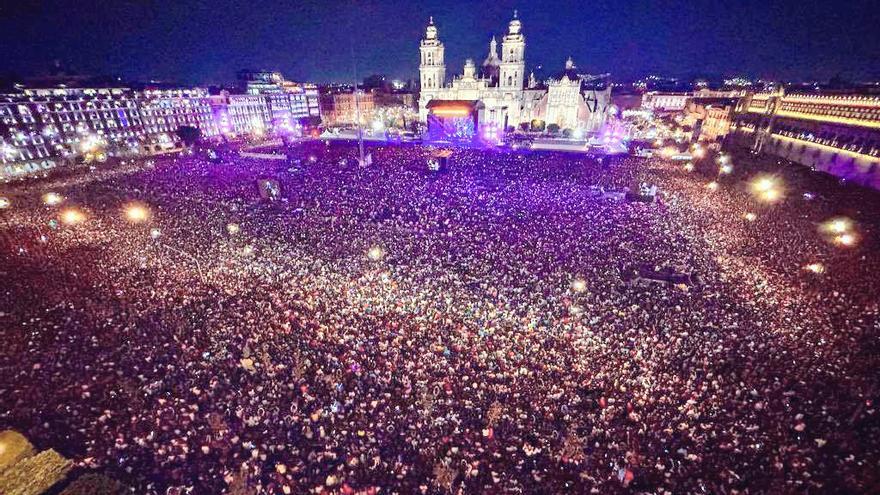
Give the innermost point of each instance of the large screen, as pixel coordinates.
(451, 128)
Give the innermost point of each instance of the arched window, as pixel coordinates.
(510, 80)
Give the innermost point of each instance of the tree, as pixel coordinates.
(553, 128)
(189, 135)
(566, 133)
(524, 126)
(538, 125)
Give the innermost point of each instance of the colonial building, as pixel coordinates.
(340, 108)
(665, 102)
(45, 128)
(41, 129)
(506, 97)
(834, 133)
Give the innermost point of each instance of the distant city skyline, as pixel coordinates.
(201, 42)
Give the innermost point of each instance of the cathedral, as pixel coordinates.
(504, 96)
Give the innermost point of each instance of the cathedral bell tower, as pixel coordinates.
(513, 65)
(432, 68)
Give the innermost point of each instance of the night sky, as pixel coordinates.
(206, 42)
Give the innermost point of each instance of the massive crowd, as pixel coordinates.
(391, 330)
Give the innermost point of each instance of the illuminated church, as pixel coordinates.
(503, 94)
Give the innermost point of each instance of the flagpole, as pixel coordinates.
(357, 106)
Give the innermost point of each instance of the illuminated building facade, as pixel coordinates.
(834, 133)
(676, 102)
(709, 117)
(340, 108)
(261, 82)
(717, 122)
(41, 129)
(249, 114)
(506, 97)
(665, 102)
(163, 111)
(288, 100)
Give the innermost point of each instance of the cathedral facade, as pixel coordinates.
(507, 99)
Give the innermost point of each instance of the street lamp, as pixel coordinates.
(72, 216)
(375, 253)
(52, 198)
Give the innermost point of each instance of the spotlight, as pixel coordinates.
(155, 233)
(712, 186)
(579, 285)
(232, 228)
(750, 217)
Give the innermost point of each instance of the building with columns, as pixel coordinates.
(508, 95)
(834, 132)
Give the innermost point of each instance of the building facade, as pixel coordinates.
(678, 101)
(665, 102)
(288, 100)
(717, 122)
(834, 133)
(508, 96)
(41, 129)
(340, 108)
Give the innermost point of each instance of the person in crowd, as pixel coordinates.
(391, 330)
